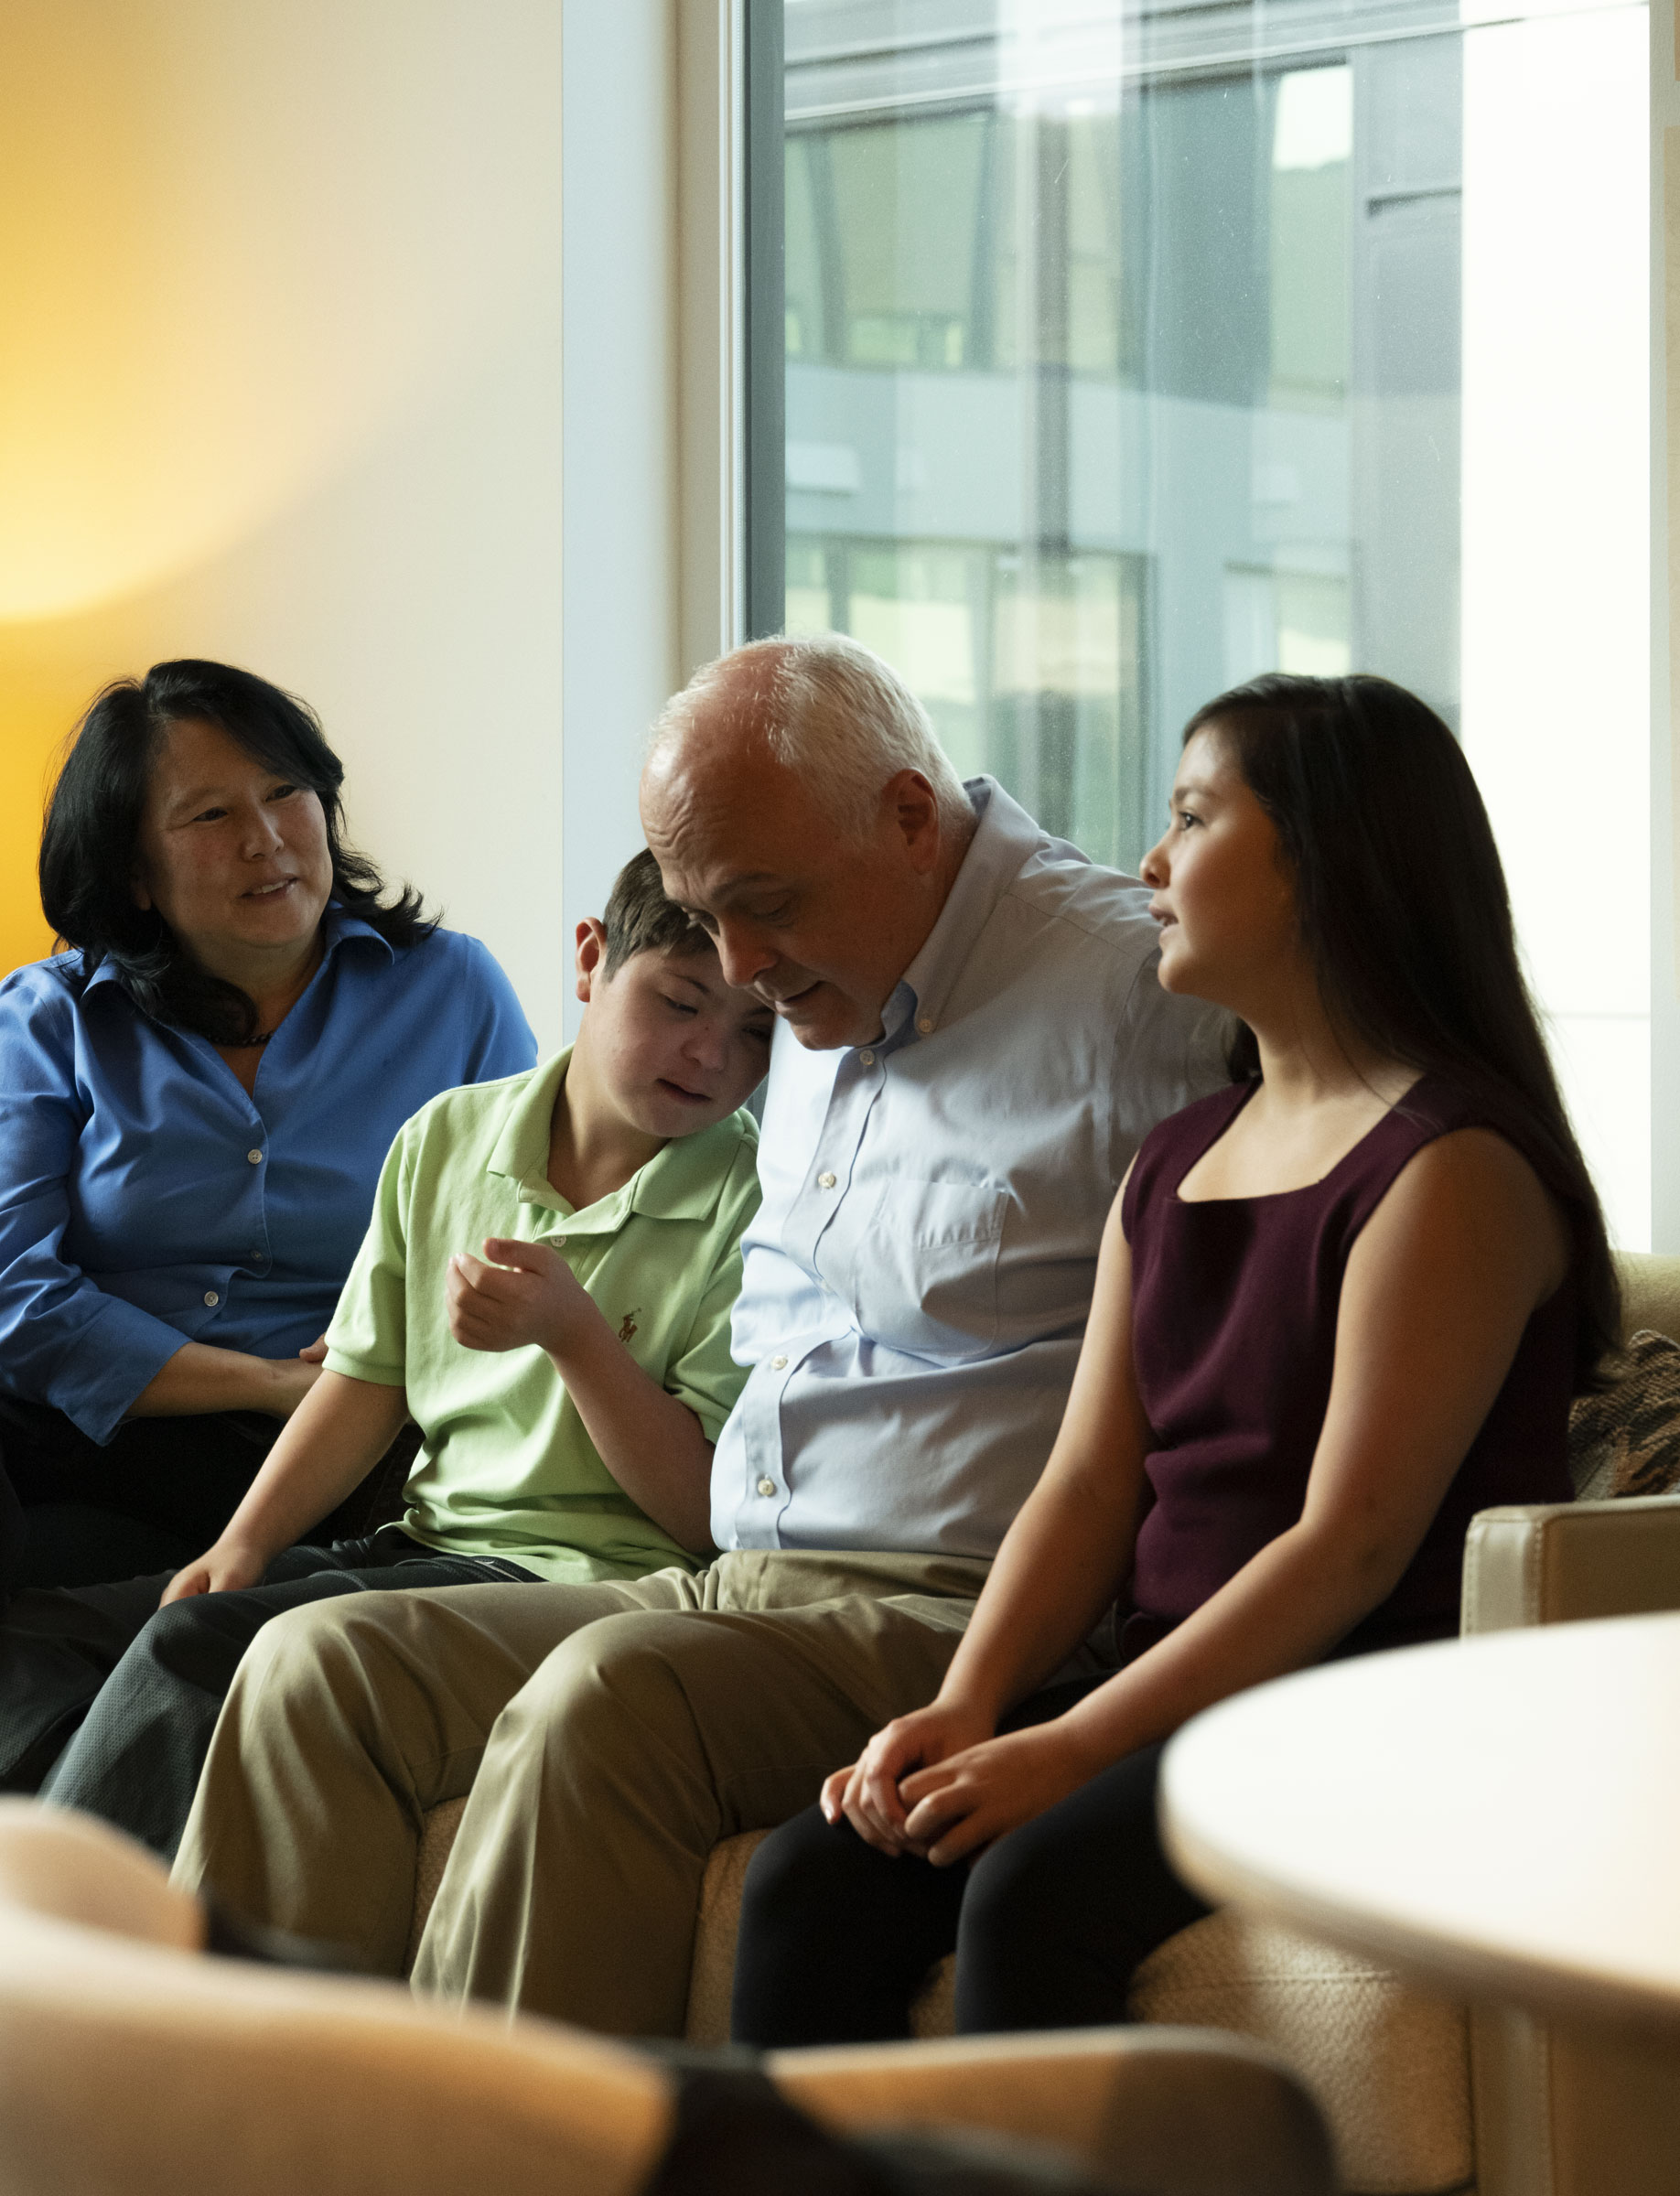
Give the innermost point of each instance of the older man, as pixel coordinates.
(980, 1044)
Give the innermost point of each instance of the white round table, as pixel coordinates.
(1501, 1815)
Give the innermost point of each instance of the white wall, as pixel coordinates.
(1664, 264)
(621, 509)
(1556, 545)
(281, 381)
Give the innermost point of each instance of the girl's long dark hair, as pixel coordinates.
(1403, 907)
(92, 831)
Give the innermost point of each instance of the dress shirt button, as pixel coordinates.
(825, 1181)
(867, 1059)
(925, 1025)
(255, 1157)
(767, 1486)
(211, 1298)
(779, 1365)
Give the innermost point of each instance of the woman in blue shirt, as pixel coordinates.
(195, 1101)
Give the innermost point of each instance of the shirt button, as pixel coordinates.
(559, 1242)
(255, 1157)
(767, 1486)
(825, 1181)
(925, 1025)
(211, 1298)
(777, 1364)
(867, 1059)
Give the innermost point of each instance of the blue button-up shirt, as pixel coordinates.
(918, 1278)
(146, 1202)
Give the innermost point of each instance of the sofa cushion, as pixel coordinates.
(436, 1837)
(1650, 1292)
(1626, 1440)
(1389, 2065)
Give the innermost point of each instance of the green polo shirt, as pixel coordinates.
(507, 1468)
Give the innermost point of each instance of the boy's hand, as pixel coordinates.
(527, 1295)
(219, 1570)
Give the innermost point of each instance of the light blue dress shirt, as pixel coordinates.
(919, 1275)
(146, 1202)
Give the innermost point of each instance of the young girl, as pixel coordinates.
(1340, 1308)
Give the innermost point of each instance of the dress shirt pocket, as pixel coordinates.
(925, 1279)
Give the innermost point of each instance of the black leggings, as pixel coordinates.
(1049, 1926)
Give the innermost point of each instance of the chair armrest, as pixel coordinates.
(1550, 1563)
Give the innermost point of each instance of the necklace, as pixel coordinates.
(264, 1037)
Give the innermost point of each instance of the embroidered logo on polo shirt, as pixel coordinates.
(628, 1327)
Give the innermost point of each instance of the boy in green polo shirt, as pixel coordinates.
(545, 1286)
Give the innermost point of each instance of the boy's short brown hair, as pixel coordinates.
(639, 918)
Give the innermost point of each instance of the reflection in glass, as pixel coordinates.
(1117, 364)
(1137, 345)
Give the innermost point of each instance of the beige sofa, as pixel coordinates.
(1420, 2099)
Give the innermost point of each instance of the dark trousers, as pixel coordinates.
(107, 1701)
(1049, 1926)
(154, 1498)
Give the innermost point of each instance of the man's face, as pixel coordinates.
(820, 926)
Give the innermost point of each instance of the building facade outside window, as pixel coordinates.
(1131, 348)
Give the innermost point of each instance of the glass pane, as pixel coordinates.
(1133, 350)
(1074, 361)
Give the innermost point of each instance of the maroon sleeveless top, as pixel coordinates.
(1233, 1336)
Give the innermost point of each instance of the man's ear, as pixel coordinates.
(591, 956)
(915, 809)
(138, 891)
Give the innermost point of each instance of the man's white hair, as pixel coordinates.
(830, 711)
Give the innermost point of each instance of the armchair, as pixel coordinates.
(130, 2065)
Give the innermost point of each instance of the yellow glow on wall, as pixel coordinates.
(194, 334)
(257, 261)
(31, 726)
(49, 675)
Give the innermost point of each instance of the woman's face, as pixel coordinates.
(1224, 895)
(232, 854)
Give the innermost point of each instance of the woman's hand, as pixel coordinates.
(527, 1295)
(868, 1791)
(289, 1381)
(961, 1804)
(221, 1570)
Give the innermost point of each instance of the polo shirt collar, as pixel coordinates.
(1005, 835)
(683, 1181)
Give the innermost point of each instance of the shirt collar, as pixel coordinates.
(339, 929)
(683, 1181)
(1005, 835)
(106, 972)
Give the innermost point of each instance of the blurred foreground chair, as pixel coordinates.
(133, 2065)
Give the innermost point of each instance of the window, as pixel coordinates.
(1131, 348)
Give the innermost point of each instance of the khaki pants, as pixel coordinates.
(609, 1735)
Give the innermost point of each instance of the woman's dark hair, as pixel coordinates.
(92, 831)
(1403, 907)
